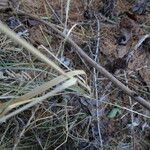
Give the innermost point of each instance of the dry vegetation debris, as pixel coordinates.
(46, 103)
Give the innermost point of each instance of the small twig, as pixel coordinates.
(53, 11)
(106, 19)
(96, 86)
(134, 49)
(132, 115)
(91, 62)
(141, 41)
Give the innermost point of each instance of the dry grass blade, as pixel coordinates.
(34, 101)
(7, 106)
(29, 47)
(4, 29)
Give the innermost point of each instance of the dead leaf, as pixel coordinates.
(36, 36)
